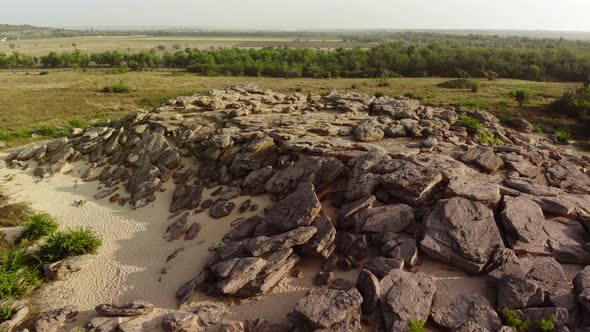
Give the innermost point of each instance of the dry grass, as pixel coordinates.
(14, 214)
(28, 101)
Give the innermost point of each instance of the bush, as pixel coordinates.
(379, 94)
(563, 135)
(117, 88)
(413, 95)
(512, 319)
(354, 86)
(43, 73)
(487, 138)
(120, 69)
(460, 83)
(547, 325)
(51, 131)
(472, 104)
(72, 242)
(417, 326)
(17, 274)
(472, 124)
(504, 119)
(575, 103)
(6, 312)
(38, 226)
(523, 97)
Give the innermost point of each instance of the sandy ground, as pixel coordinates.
(129, 264)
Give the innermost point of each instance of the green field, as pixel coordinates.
(171, 44)
(30, 100)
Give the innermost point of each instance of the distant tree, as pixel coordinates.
(521, 96)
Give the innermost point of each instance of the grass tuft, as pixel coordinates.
(18, 274)
(120, 87)
(472, 124)
(512, 319)
(7, 312)
(417, 326)
(38, 226)
(68, 243)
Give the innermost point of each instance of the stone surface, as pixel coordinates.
(135, 308)
(405, 297)
(461, 233)
(468, 308)
(328, 310)
(522, 218)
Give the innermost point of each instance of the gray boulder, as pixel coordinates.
(461, 233)
(522, 218)
(468, 308)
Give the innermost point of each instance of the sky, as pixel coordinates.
(561, 15)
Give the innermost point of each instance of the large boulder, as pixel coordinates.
(483, 157)
(298, 209)
(328, 310)
(475, 190)
(462, 233)
(582, 286)
(405, 297)
(522, 218)
(411, 183)
(468, 308)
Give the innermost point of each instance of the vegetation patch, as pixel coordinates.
(13, 214)
(7, 312)
(417, 326)
(413, 95)
(18, 274)
(69, 243)
(487, 138)
(547, 325)
(120, 87)
(574, 103)
(470, 123)
(38, 226)
(563, 135)
(471, 103)
(511, 318)
(522, 96)
(460, 83)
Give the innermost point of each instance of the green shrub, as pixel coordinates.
(523, 97)
(413, 95)
(547, 325)
(8, 135)
(6, 312)
(43, 73)
(472, 124)
(575, 103)
(417, 326)
(539, 128)
(75, 123)
(472, 104)
(504, 119)
(354, 86)
(460, 83)
(511, 318)
(383, 84)
(379, 94)
(487, 138)
(38, 226)
(18, 274)
(563, 135)
(120, 87)
(72, 242)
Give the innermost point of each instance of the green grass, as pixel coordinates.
(472, 103)
(38, 226)
(563, 135)
(487, 138)
(6, 312)
(547, 325)
(18, 274)
(460, 83)
(470, 123)
(511, 318)
(120, 87)
(417, 326)
(69, 243)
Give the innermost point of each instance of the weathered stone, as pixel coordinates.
(135, 308)
(368, 285)
(468, 308)
(516, 292)
(236, 273)
(186, 197)
(462, 233)
(323, 242)
(407, 252)
(262, 244)
(389, 218)
(475, 190)
(523, 218)
(180, 321)
(382, 266)
(405, 297)
(60, 270)
(368, 132)
(296, 210)
(209, 313)
(536, 314)
(411, 183)
(221, 209)
(483, 157)
(54, 321)
(582, 286)
(328, 310)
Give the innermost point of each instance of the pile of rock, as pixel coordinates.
(407, 180)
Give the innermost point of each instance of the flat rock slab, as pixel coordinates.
(135, 308)
(461, 233)
(468, 308)
(475, 190)
(522, 218)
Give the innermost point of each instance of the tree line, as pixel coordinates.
(386, 60)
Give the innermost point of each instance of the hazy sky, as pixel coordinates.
(306, 14)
